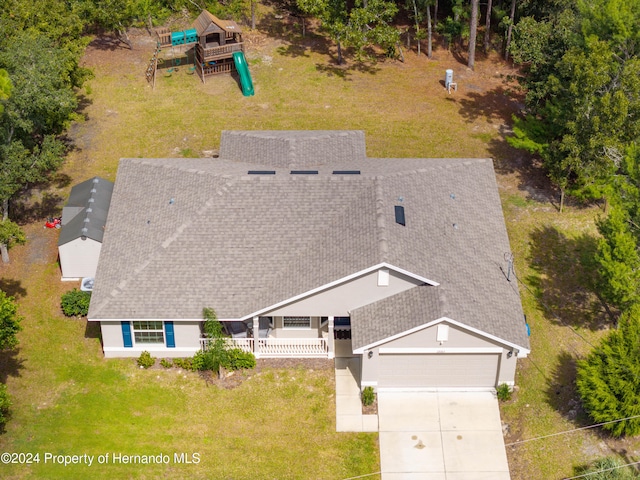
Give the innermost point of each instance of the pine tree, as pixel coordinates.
(608, 380)
(618, 260)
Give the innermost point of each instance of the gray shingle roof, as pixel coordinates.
(409, 309)
(184, 234)
(293, 147)
(86, 210)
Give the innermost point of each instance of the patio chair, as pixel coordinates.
(264, 327)
(236, 329)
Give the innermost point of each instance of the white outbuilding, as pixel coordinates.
(83, 222)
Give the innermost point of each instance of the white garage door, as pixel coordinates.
(438, 370)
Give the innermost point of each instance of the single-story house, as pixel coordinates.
(305, 247)
(83, 222)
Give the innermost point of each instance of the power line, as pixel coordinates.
(364, 476)
(519, 442)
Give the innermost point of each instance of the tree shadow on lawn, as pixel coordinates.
(562, 280)
(288, 32)
(561, 391)
(27, 210)
(497, 107)
(107, 41)
(12, 287)
(10, 364)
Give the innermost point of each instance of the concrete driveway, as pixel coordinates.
(441, 436)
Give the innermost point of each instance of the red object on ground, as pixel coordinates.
(53, 222)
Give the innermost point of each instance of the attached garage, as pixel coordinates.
(429, 351)
(438, 370)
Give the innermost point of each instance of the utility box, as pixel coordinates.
(448, 78)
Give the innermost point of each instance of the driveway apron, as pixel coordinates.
(441, 436)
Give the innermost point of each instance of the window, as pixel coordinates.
(296, 322)
(342, 322)
(148, 331)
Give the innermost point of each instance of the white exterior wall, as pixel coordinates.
(79, 258)
(187, 337)
(458, 339)
(341, 299)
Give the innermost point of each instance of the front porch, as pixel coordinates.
(289, 337)
(279, 347)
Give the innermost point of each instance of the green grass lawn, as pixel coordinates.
(69, 400)
(280, 423)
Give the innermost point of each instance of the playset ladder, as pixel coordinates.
(153, 67)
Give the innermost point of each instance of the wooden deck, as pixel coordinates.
(219, 52)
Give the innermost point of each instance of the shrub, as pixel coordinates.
(205, 360)
(368, 396)
(5, 403)
(145, 360)
(166, 363)
(184, 363)
(237, 359)
(607, 469)
(503, 392)
(75, 303)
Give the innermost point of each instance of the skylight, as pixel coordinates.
(400, 215)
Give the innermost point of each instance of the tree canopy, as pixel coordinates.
(608, 380)
(358, 26)
(583, 91)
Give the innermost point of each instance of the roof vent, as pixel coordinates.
(262, 172)
(93, 190)
(91, 200)
(400, 215)
(86, 220)
(96, 180)
(84, 230)
(89, 210)
(346, 172)
(304, 172)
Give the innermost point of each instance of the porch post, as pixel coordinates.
(256, 336)
(330, 340)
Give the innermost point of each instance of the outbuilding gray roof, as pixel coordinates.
(184, 234)
(85, 213)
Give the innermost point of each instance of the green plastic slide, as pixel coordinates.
(243, 71)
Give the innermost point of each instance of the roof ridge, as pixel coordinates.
(293, 154)
(383, 243)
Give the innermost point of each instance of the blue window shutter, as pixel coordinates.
(126, 334)
(170, 337)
